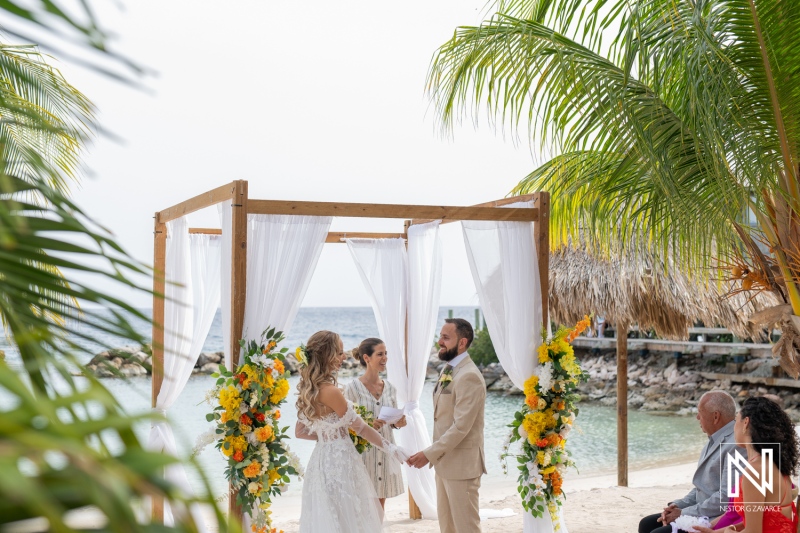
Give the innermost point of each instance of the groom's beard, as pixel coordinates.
(448, 355)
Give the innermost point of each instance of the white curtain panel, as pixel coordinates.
(226, 223)
(282, 254)
(424, 289)
(505, 269)
(191, 300)
(383, 267)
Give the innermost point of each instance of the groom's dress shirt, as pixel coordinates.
(457, 359)
(710, 493)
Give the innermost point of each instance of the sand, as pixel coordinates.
(593, 503)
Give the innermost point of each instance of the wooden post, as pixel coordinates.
(414, 512)
(541, 235)
(157, 360)
(622, 405)
(238, 296)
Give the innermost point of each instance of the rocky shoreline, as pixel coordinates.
(657, 382)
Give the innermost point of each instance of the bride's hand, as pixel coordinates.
(399, 454)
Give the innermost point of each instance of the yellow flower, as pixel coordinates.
(548, 470)
(540, 458)
(541, 404)
(235, 444)
(280, 391)
(534, 425)
(230, 400)
(273, 476)
(530, 386)
(544, 355)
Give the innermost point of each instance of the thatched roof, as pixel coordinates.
(635, 289)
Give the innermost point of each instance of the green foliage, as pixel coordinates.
(482, 350)
(66, 442)
(665, 135)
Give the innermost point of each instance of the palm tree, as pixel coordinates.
(64, 443)
(669, 124)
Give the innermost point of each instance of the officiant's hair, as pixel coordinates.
(463, 329)
(322, 350)
(367, 347)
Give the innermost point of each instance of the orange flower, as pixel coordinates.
(252, 470)
(579, 328)
(276, 414)
(263, 434)
(279, 366)
(238, 456)
(553, 439)
(541, 443)
(556, 481)
(245, 420)
(259, 416)
(224, 417)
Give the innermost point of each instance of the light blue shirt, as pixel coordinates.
(457, 359)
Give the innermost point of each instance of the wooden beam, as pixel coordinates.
(157, 360)
(453, 213)
(494, 203)
(339, 237)
(205, 231)
(541, 235)
(622, 405)
(201, 201)
(238, 295)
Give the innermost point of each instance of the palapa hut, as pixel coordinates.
(639, 288)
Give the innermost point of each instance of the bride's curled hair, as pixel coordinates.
(322, 349)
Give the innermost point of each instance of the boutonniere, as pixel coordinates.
(445, 378)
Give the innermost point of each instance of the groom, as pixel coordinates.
(457, 449)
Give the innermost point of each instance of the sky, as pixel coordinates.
(307, 101)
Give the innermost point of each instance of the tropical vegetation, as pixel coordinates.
(66, 442)
(669, 125)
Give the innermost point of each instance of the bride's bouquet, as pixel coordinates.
(359, 442)
(246, 426)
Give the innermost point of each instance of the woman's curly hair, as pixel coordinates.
(770, 427)
(322, 351)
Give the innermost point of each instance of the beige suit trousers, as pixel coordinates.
(457, 505)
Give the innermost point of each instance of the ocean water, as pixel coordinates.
(653, 440)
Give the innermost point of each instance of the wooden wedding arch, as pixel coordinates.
(236, 193)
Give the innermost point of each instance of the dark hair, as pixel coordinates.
(367, 347)
(771, 428)
(463, 329)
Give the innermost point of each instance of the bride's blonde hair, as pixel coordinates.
(322, 351)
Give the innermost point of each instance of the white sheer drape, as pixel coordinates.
(191, 300)
(424, 289)
(282, 254)
(505, 269)
(226, 223)
(383, 267)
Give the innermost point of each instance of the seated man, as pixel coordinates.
(716, 412)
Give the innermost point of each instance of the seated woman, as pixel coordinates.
(761, 424)
(373, 392)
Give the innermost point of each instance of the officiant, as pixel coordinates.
(374, 393)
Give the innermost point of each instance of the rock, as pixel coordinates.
(140, 357)
(132, 370)
(103, 371)
(216, 357)
(209, 368)
(116, 362)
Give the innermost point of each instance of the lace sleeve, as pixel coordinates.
(303, 429)
(362, 429)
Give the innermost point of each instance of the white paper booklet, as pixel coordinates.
(390, 414)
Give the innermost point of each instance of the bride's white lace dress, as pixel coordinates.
(338, 496)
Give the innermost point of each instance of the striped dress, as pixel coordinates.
(384, 472)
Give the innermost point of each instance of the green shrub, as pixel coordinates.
(482, 349)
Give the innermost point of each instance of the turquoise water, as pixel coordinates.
(653, 439)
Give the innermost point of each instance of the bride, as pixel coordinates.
(338, 495)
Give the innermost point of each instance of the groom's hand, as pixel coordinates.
(418, 460)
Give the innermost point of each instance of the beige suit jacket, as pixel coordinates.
(457, 449)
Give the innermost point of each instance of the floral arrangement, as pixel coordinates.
(543, 423)
(446, 377)
(246, 427)
(361, 443)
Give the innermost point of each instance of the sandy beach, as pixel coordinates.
(594, 503)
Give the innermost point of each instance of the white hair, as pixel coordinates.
(720, 401)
